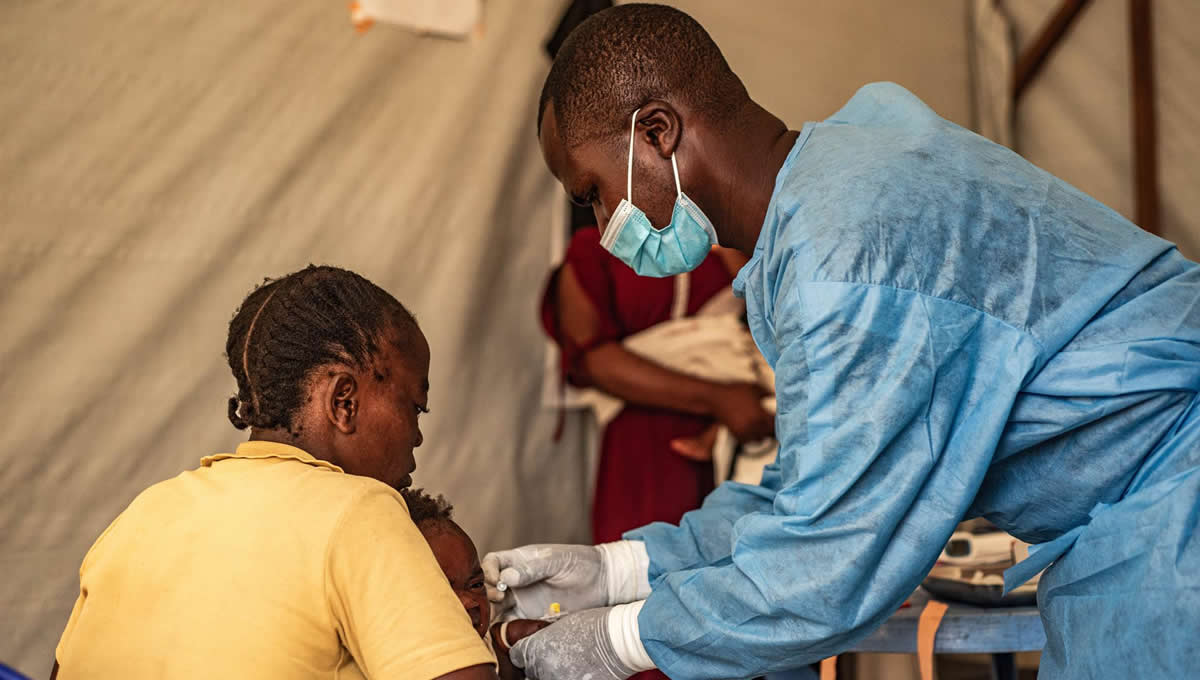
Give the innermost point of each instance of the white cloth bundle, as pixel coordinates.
(712, 345)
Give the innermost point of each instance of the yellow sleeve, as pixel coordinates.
(394, 609)
(64, 642)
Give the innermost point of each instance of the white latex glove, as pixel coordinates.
(597, 644)
(577, 577)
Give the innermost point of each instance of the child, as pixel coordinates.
(294, 556)
(459, 560)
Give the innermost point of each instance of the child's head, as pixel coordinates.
(455, 553)
(328, 361)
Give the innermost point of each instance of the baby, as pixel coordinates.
(456, 555)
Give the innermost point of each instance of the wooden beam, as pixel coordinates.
(1145, 123)
(1031, 60)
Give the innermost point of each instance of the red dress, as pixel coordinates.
(640, 480)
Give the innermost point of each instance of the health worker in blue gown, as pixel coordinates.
(955, 333)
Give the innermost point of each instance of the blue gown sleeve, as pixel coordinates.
(704, 536)
(890, 407)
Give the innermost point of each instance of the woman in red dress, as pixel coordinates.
(591, 304)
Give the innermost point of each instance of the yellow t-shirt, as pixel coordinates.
(265, 563)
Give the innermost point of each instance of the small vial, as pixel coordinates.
(501, 586)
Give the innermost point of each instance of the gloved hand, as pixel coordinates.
(577, 577)
(598, 644)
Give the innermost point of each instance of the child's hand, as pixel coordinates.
(698, 448)
(514, 630)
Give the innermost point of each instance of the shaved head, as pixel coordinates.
(621, 58)
(694, 114)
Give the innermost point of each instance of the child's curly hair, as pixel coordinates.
(425, 508)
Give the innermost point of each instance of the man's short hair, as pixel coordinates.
(621, 58)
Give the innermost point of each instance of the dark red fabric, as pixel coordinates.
(640, 480)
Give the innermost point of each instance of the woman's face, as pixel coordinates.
(456, 555)
(394, 393)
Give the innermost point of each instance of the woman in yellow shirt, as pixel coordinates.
(295, 556)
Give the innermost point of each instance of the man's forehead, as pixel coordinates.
(579, 163)
(553, 149)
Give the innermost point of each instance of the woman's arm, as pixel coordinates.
(636, 380)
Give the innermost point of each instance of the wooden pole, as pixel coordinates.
(1031, 60)
(1145, 123)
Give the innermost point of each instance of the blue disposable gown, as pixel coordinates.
(955, 333)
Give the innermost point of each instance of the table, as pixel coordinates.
(965, 629)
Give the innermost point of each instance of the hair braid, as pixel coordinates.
(287, 328)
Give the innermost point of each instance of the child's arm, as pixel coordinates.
(484, 672)
(505, 635)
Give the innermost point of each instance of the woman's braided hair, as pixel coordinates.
(290, 326)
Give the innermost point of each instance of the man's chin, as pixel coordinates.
(405, 482)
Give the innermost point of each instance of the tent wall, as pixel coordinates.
(1075, 118)
(160, 159)
(803, 60)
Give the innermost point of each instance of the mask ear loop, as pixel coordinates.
(675, 168)
(629, 171)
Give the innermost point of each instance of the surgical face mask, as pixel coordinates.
(677, 248)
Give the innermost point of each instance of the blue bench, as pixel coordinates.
(998, 631)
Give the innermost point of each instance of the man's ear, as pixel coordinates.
(341, 402)
(660, 125)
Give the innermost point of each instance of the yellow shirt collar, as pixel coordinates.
(261, 449)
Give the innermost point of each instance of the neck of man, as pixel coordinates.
(754, 147)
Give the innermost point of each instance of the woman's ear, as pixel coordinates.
(341, 402)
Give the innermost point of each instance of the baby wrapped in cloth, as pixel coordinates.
(712, 345)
